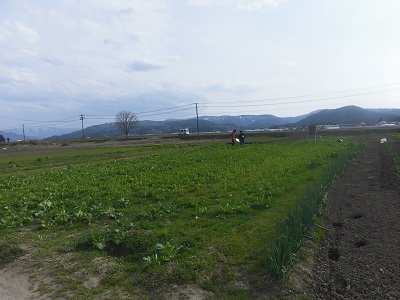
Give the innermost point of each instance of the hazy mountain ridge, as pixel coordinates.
(41, 133)
(35, 133)
(253, 121)
(147, 127)
(10, 135)
(350, 115)
(343, 115)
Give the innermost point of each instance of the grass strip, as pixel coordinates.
(279, 253)
(395, 155)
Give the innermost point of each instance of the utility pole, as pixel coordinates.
(23, 130)
(83, 131)
(197, 114)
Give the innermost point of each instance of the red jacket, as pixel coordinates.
(233, 135)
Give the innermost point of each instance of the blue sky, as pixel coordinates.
(61, 59)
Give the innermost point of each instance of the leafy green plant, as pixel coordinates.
(195, 212)
(164, 253)
(168, 251)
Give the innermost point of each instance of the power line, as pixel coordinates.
(36, 121)
(147, 112)
(291, 102)
(147, 115)
(186, 105)
(142, 115)
(82, 117)
(257, 111)
(317, 95)
(267, 102)
(23, 130)
(197, 117)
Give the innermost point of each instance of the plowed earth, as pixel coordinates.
(360, 259)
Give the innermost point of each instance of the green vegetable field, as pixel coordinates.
(136, 222)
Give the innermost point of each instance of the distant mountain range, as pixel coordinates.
(206, 124)
(35, 133)
(350, 115)
(344, 115)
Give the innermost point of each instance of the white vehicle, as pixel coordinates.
(183, 131)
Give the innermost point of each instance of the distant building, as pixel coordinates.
(386, 124)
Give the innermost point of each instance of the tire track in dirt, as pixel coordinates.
(361, 259)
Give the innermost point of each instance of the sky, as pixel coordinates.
(60, 60)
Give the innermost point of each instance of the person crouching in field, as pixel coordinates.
(233, 137)
(241, 137)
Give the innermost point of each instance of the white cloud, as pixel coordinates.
(52, 60)
(249, 5)
(26, 33)
(288, 63)
(14, 75)
(258, 4)
(5, 32)
(109, 55)
(12, 32)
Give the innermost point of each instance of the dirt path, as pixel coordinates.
(361, 259)
(15, 285)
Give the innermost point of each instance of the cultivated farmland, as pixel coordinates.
(360, 258)
(154, 221)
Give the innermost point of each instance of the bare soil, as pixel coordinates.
(14, 284)
(360, 259)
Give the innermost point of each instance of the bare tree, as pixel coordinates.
(126, 121)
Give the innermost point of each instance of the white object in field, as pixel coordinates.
(183, 131)
(237, 140)
(4, 149)
(383, 140)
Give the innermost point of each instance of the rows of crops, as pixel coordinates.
(191, 215)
